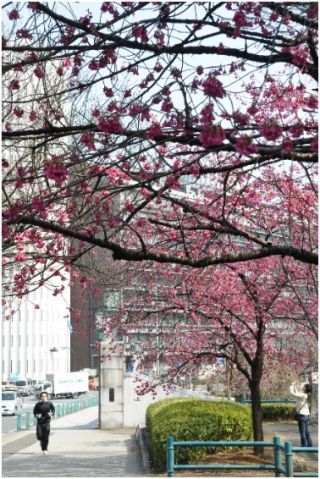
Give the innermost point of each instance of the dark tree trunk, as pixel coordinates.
(256, 407)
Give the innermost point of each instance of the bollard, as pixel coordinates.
(18, 421)
(289, 463)
(27, 420)
(170, 456)
(277, 456)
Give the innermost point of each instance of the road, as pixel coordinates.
(9, 423)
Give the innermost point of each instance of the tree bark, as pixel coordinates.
(256, 410)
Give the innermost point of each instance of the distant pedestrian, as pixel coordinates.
(303, 395)
(43, 411)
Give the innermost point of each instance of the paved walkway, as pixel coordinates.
(76, 449)
(290, 432)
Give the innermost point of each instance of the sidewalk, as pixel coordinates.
(76, 449)
(290, 432)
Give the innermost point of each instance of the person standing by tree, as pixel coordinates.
(43, 411)
(303, 414)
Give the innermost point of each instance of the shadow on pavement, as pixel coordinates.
(58, 465)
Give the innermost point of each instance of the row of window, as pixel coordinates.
(4, 337)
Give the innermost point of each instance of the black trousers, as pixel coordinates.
(43, 431)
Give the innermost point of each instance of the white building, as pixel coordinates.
(36, 339)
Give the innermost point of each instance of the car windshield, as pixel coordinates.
(8, 396)
(38, 388)
(21, 383)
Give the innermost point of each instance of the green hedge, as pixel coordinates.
(277, 412)
(195, 419)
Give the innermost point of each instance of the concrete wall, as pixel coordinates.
(127, 409)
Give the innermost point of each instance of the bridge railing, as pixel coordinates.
(27, 419)
(277, 467)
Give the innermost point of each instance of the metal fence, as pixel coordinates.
(278, 467)
(269, 401)
(26, 420)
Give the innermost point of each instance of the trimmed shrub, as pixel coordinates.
(195, 420)
(277, 412)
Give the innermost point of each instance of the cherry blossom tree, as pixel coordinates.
(247, 314)
(158, 131)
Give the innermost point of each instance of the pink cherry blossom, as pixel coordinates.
(213, 87)
(287, 145)
(110, 125)
(271, 131)
(54, 170)
(13, 15)
(14, 85)
(88, 140)
(18, 112)
(245, 146)
(32, 116)
(39, 73)
(140, 31)
(212, 135)
(154, 130)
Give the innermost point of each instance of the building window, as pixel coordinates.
(111, 394)
(112, 299)
(129, 364)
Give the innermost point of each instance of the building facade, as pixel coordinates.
(36, 338)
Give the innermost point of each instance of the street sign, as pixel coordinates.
(15, 377)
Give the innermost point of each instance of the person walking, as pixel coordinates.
(43, 410)
(302, 395)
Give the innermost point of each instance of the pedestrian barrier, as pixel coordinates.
(277, 466)
(289, 450)
(269, 401)
(24, 421)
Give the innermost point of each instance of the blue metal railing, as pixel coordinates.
(289, 450)
(269, 401)
(277, 466)
(25, 421)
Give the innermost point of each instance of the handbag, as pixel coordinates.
(296, 414)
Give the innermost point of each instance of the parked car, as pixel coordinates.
(24, 387)
(6, 386)
(11, 403)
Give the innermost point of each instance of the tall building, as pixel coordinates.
(36, 338)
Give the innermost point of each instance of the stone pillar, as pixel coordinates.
(112, 366)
